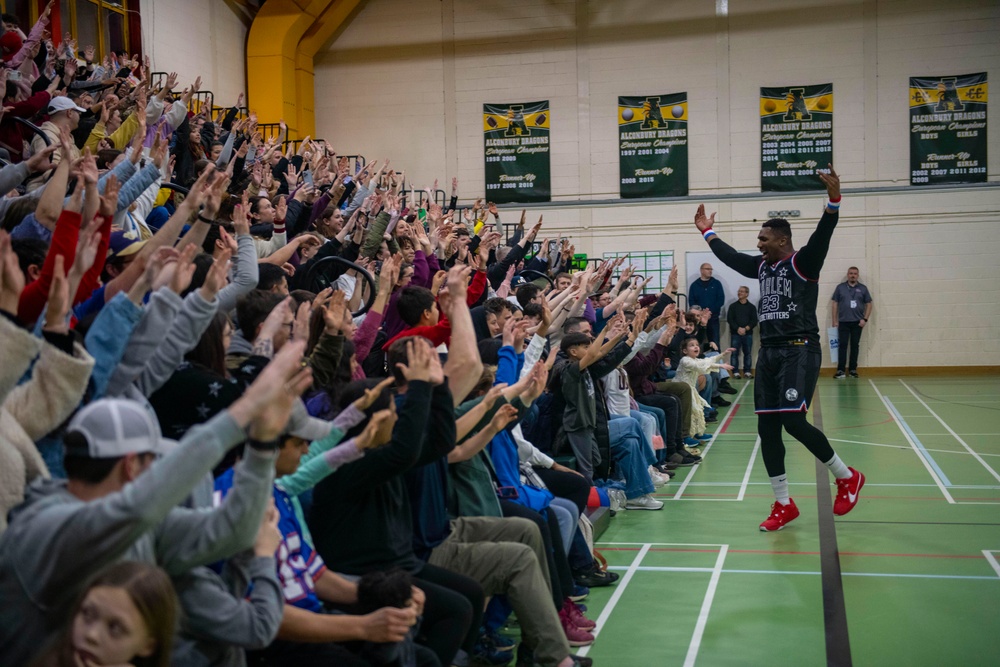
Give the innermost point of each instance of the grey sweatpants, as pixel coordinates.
(506, 557)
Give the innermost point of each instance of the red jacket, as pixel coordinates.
(64, 241)
(440, 333)
(12, 133)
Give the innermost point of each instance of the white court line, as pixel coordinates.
(687, 480)
(706, 607)
(746, 475)
(879, 444)
(930, 470)
(663, 544)
(988, 487)
(616, 596)
(992, 560)
(891, 575)
(955, 435)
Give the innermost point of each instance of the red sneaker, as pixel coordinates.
(847, 493)
(781, 515)
(579, 620)
(574, 635)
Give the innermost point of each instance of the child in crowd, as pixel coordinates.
(689, 370)
(128, 615)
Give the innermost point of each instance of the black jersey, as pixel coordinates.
(789, 289)
(787, 307)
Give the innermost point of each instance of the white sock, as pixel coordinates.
(838, 468)
(780, 486)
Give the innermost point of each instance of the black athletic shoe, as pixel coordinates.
(853, 374)
(726, 389)
(721, 402)
(595, 578)
(711, 419)
(839, 375)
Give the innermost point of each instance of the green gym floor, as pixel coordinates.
(910, 577)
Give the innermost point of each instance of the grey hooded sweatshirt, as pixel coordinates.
(57, 542)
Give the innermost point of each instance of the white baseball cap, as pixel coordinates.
(63, 103)
(114, 427)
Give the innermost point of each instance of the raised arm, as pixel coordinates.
(746, 265)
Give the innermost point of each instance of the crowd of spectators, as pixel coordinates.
(289, 411)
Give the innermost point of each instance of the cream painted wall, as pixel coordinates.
(407, 79)
(197, 37)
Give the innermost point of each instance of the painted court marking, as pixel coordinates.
(616, 596)
(936, 451)
(912, 439)
(891, 575)
(706, 607)
(746, 475)
(949, 429)
(992, 560)
(718, 431)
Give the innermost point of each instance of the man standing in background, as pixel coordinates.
(742, 318)
(708, 293)
(852, 308)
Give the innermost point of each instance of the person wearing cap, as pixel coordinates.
(63, 114)
(118, 504)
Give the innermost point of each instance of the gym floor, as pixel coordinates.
(910, 577)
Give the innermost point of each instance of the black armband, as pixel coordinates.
(264, 445)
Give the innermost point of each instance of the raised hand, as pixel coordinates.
(59, 300)
(270, 398)
(109, 200)
(268, 535)
(503, 417)
(184, 270)
(832, 182)
(701, 221)
(42, 160)
(418, 361)
(368, 399)
(370, 437)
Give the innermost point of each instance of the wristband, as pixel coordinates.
(264, 445)
(207, 221)
(833, 206)
(708, 234)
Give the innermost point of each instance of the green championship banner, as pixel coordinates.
(517, 152)
(796, 136)
(948, 129)
(653, 145)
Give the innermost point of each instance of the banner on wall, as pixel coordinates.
(517, 152)
(653, 145)
(948, 129)
(796, 136)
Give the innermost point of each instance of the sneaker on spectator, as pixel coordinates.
(666, 467)
(645, 502)
(847, 493)
(656, 478)
(703, 436)
(712, 415)
(574, 635)
(712, 418)
(748, 375)
(485, 652)
(684, 460)
(781, 515)
(693, 451)
(579, 593)
(691, 442)
(502, 643)
(839, 375)
(721, 402)
(853, 374)
(594, 578)
(736, 375)
(724, 388)
(576, 615)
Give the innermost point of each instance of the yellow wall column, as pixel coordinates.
(283, 41)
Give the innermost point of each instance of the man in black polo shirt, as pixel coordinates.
(851, 306)
(790, 354)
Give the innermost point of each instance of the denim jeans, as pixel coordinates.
(744, 346)
(631, 455)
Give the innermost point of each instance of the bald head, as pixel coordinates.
(706, 271)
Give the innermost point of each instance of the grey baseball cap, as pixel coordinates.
(114, 427)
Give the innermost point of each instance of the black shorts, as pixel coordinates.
(785, 378)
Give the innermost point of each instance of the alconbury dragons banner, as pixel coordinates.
(796, 136)
(517, 152)
(653, 145)
(948, 129)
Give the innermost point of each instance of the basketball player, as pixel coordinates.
(790, 353)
